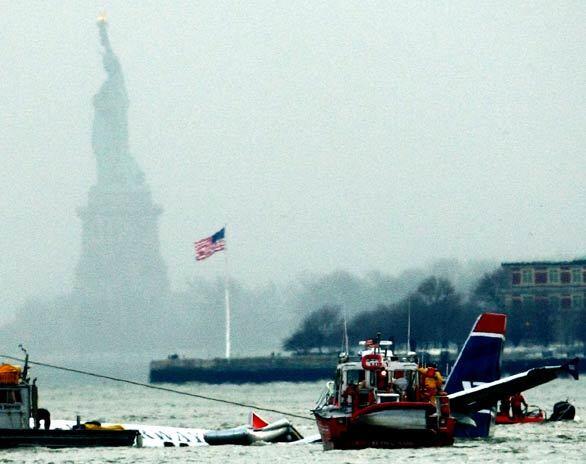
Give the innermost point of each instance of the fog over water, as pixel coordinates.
(350, 136)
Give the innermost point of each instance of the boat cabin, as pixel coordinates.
(378, 376)
(17, 398)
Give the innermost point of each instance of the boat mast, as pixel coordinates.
(25, 369)
(409, 325)
(346, 348)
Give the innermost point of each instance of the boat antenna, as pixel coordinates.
(409, 324)
(25, 368)
(346, 347)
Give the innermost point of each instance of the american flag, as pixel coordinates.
(206, 247)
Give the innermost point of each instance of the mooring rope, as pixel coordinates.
(155, 387)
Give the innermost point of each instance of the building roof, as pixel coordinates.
(575, 262)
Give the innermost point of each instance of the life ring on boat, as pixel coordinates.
(372, 362)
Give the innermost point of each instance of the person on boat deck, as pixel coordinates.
(401, 386)
(432, 380)
(516, 401)
(350, 395)
(505, 407)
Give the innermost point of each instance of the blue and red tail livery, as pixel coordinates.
(479, 362)
(480, 358)
(475, 386)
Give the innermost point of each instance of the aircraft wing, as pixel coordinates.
(155, 436)
(486, 395)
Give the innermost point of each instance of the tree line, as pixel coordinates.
(439, 317)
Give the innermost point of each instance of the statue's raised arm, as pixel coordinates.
(115, 164)
(102, 25)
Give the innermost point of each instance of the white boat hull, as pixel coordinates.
(399, 419)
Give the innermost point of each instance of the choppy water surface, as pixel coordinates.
(67, 397)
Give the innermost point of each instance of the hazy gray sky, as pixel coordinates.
(328, 135)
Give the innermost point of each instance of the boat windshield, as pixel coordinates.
(10, 396)
(354, 376)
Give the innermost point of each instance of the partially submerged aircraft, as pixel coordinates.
(474, 386)
(152, 436)
(486, 395)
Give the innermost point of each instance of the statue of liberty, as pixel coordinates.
(115, 164)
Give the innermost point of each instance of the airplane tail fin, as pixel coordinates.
(480, 358)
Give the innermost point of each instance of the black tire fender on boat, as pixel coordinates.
(42, 415)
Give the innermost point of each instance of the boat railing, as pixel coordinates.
(326, 394)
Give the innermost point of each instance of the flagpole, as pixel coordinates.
(226, 293)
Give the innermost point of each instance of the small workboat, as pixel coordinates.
(562, 411)
(379, 401)
(530, 416)
(23, 423)
(21, 419)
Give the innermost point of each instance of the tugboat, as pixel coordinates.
(379, 401)
(21, 418)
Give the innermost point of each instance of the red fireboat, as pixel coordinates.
(379, 401)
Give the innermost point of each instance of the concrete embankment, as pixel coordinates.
(286, 368)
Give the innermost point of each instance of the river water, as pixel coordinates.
(67, 396)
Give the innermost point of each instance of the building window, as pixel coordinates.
(576, 276)
(554, 276)
(516, 278)
(565, 277)
(578, 301)
(517, 303)
(566, 302)
(540, 277)
(527, 276)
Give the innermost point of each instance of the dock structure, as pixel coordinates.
(243, 370)
(264, 369)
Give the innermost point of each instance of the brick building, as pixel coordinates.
(546, 299)
(558, 284)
